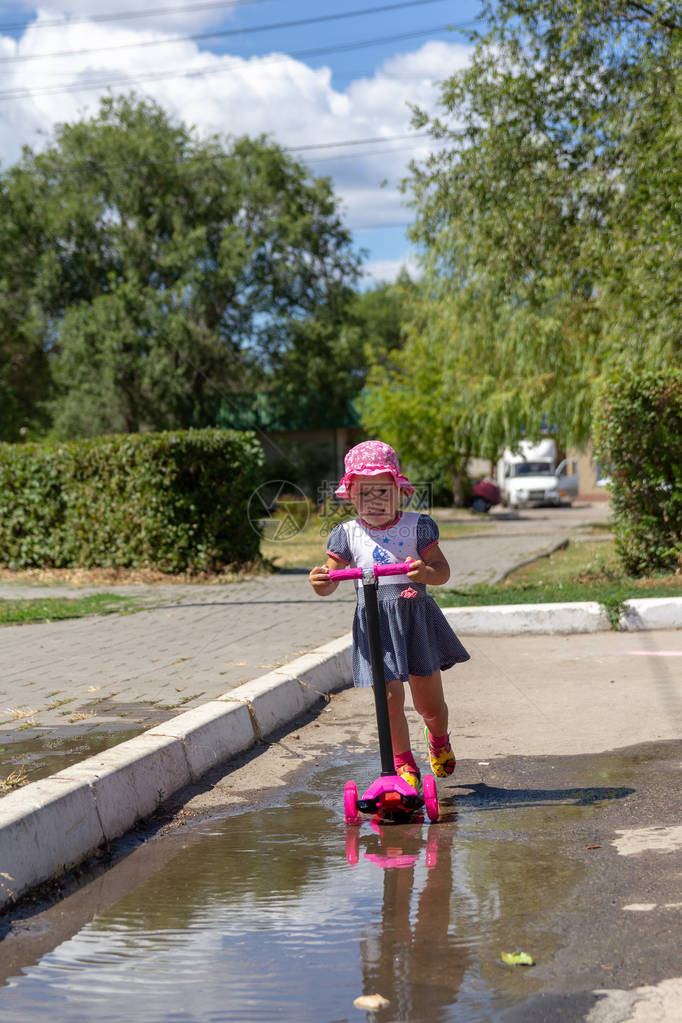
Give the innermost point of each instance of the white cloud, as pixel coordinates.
(273, 94)
(378, 270)
(191, 16)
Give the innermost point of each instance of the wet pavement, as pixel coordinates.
(283, 910)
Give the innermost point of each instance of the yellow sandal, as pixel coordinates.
(443, 760)
(410, 775)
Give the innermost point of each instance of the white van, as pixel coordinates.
(531, 476)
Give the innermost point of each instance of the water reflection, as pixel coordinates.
(287, 913)
(412, 954)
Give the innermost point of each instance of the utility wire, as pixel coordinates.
(107, 83)
(357, 142)
(148, 12)
(218, 33)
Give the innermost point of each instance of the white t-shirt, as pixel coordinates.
(361, 545)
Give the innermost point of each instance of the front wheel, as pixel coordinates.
(350, 802)
(480, 505)
(431, 797)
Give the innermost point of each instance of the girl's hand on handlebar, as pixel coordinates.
(320, 581)
(433, 570)
(418, 571)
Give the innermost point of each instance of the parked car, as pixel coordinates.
(531, 475)
(483, 495)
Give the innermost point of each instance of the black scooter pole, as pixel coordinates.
(369, 588)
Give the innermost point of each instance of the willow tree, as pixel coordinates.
(547, 218)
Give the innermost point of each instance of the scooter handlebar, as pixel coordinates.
(399, 568)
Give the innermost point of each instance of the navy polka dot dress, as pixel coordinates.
(416, 637)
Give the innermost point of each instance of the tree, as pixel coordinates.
(24, 372)
(169, 269)
(549, 216)
(328, 356)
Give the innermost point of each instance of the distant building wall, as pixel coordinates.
(312, 456)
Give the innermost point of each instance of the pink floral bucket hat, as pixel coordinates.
(371, 458)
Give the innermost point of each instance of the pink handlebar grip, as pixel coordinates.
(400, 568)
(345, 573)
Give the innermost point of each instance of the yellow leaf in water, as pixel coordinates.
(517, 959)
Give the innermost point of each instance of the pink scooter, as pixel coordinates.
(389, 796)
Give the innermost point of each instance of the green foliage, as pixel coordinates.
(153, 271)
(436, 473)
(638, 436)
(324, 366)
(175, 501)
(24, 372)
(549, 220)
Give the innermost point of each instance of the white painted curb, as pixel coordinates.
(652, 613)
(45, 828)
(587, 616)
(52, 825)
(515, 619)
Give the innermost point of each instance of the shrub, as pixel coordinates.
(436, 475)
(173, 501)
(638, 436)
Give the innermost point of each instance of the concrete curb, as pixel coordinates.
(588, 616)
(652, 613)
(515, 619)
(52, 825)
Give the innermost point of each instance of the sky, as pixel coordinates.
(331, 81)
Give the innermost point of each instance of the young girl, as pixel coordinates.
(418, 642)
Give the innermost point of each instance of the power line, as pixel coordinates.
(149, 12)
(218, 33)
(107, 83)
(208, 158)
(357, 142)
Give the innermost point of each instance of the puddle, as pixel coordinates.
(44, 755)
(289, 914)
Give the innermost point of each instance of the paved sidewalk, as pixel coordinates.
(66, 687)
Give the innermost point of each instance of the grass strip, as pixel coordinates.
(54, 609)
(583, 571)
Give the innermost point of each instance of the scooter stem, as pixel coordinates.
(369, 587)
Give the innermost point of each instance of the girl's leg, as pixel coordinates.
(403, 758)
(400, 736)
(429, 702)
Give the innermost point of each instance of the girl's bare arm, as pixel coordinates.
(432, 568)
(319, 576)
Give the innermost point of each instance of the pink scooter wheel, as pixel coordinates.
(352, 845)
(350, 802)
(431, 797)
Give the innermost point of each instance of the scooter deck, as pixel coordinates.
(390, 794)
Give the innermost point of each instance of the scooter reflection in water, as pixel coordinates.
(413, 956)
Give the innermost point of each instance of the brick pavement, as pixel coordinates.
(93, 676)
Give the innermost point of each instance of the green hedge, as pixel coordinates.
(173, 501)
(638, 438)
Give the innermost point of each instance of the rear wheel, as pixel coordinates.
(479, 504)
(350, 803)
(431, 797)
